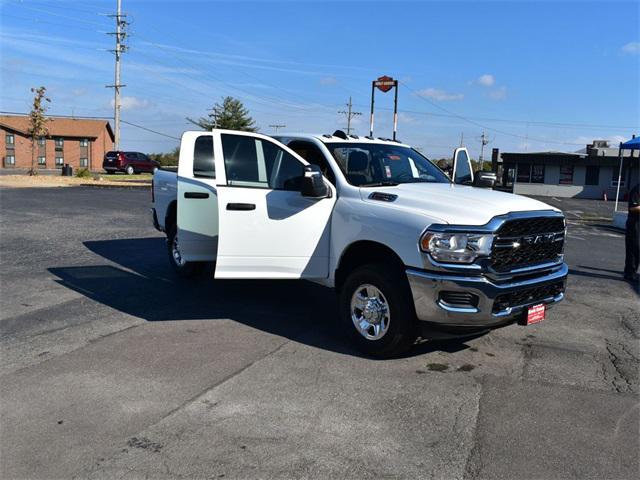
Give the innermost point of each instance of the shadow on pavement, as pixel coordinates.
(616, 277)
(144, 285)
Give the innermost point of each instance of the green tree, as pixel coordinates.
(230, 115)
(37, 122)
(166, 159)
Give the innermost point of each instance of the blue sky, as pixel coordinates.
(534, 75)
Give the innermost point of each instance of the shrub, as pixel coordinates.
(83, 173)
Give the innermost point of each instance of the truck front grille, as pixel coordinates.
(525, 242)
(528, 296)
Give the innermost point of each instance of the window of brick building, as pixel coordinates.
(42, 161)
(59, 143)
(59, 161)
(42, 141)
(10, 160)
(592, 176)
(84, 142)
(84, 162)
(566, 175)
(10, 139)
(524, 173)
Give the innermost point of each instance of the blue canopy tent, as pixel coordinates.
(633, 144)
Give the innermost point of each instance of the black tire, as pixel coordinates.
(129, 170)
(402, 330)
(184, 269)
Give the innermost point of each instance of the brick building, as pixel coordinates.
(78, 142)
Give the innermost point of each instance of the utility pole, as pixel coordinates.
(461, 139)
(483, 141)
(120, 35)
(350, 115)
(277, 126)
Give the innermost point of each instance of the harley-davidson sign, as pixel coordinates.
(385, 83)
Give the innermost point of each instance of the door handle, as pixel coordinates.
(196, 195)
(241, 206)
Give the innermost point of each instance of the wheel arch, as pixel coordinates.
(171, 217)
(364, 252)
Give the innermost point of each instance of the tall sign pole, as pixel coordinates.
(384, 84)
(373, 99)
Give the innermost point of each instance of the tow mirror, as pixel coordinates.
(313, 185)
(483, 179)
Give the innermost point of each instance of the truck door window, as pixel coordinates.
(253, 162)
(313, 155)
(203, 165)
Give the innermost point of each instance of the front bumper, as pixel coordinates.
(488, 310)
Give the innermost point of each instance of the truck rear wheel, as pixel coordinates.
(377, 312)
(180, 266)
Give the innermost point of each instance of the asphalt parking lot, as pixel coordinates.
(114, 368)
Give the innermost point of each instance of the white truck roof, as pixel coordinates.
(340, 138)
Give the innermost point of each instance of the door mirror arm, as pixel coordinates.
(312, 183)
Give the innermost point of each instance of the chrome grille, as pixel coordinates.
(526, 242)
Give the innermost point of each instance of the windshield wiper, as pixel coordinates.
(379, 184)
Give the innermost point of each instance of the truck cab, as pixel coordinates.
(408, 249)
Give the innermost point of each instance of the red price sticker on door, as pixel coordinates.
(535, 314)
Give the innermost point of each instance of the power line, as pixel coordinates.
(277, 126)
(81, 117)
(149, 130)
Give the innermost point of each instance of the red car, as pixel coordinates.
(129, 163)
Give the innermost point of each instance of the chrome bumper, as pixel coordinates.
(426, 287)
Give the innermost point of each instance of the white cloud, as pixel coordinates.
(439, 95)
(486, 80)
(631, 48)
(328, 81)
(499, 93)
(406, 118)
(132, 103)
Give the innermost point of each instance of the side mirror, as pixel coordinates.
(483, 179)
(313, 185)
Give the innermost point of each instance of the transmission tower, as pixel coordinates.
(120, 35)
(350, 115)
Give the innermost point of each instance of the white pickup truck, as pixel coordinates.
(408, 250)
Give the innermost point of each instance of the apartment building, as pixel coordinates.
(78, 142)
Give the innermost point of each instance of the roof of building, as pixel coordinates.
(60, 126)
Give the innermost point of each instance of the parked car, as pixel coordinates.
(128, 162)
(410, 251)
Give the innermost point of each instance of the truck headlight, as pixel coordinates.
(456, 247)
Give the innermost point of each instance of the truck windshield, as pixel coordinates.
(373, 164)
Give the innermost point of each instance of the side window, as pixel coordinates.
(203, 165)
(463, 170)
(313, 155)
(252, 162)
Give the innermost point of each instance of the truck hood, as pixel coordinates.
(454, 204)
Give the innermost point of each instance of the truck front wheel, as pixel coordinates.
(181, 267)
(377, 312)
